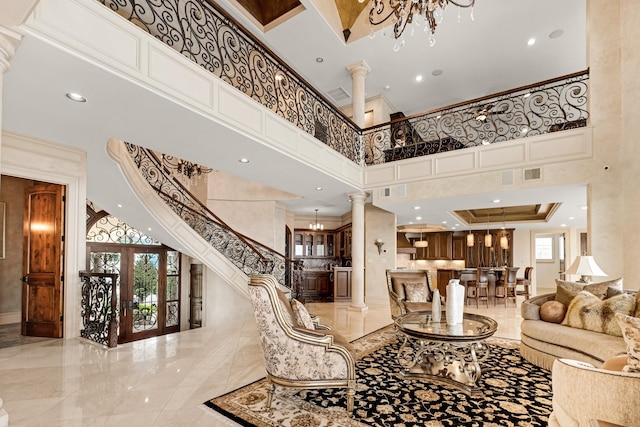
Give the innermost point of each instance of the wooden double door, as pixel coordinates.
(148, 287)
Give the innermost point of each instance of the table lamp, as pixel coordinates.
(585, 266)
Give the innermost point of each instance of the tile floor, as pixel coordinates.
(161, 381)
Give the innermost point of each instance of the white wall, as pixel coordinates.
(379, 224)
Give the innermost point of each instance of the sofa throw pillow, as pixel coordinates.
(303, 318)
(553, 311)
(589, 312)
(600, 289)
(630, 327)
(415, 291)
(566, 291)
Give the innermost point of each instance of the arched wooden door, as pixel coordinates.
(42, 288)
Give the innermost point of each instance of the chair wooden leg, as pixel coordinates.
(351, 392)
(270, 392)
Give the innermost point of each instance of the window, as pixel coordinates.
(544, 248)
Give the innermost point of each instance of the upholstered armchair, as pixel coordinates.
(587, 396)
(409, 290)
(298, 356)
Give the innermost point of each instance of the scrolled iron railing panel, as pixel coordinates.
(550, 106)
(214, 41)
(98, 308)
(249, 257)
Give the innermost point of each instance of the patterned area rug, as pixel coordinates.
(516, 393)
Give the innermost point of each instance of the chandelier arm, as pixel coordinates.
(455, 3)
(379, 11)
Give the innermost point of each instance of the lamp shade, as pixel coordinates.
(421, 243)
(585, 266)
(471, 240)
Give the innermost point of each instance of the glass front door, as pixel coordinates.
(148, 288)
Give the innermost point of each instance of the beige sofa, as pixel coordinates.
(543, 342)
(583, 394)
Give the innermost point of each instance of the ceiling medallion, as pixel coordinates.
(404, 13)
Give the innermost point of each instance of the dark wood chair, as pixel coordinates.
(525, 282)
(480, 286)
(506, 286)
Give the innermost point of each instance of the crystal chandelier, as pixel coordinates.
(404, 13)
(316, 226)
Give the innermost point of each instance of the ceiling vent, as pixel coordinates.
(338, 94)
(532, 174)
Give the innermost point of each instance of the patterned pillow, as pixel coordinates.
(303, 318)
(415, 291)
(631, 332)
(589, 312)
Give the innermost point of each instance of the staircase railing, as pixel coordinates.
(248, 255)
(99, 308)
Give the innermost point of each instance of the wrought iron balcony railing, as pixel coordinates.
(208, 36)
(245, 253)
(205, 34)
(536, 109)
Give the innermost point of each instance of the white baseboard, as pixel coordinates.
(9, 318)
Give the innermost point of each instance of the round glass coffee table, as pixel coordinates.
(449, 354)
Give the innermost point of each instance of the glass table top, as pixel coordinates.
(420, 325)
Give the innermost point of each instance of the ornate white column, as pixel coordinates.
(359, 72)
(357, 250)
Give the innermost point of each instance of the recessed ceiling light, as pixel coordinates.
(76, 97)
(319, 59)
(437, 72)
(572, 217)
(243, 160)
(416, 207)
(444, 222)
(457, 225)
(149, 229)
(496, 200)
(387, 87)
(319, 188)
(419, 78)
(584, 208)
(119, 205)
(453, 228)
(556, 33)
(531, 42)
(563, 225)
(410, 222)
(418, 218)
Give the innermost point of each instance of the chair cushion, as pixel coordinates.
(286, 308)
(630, 327)
(337, 338)
(302, 316)
(415, 291)
(587, 311)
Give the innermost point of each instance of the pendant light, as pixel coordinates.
(488, 240)
(317, 226)
(504, 241)
(471, 239)
(421, 243)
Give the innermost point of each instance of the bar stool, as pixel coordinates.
(506, 287)
(480, 286)
(525, 282)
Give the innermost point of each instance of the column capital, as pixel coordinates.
(8, 46)
(358, 196)
(359, 67)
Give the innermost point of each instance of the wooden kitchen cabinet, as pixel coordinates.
(317, 286)
(342, 283)
(459, 247)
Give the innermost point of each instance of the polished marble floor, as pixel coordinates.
(162, 381)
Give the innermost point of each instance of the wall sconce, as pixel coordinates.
(379, 244)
